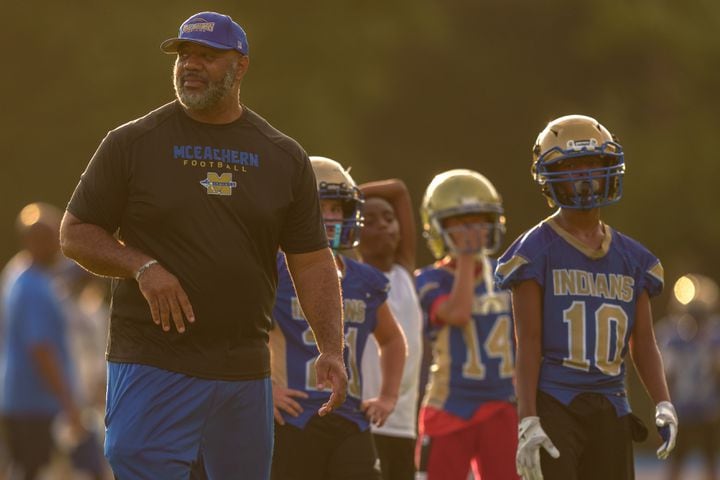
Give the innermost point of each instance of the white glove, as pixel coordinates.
(667, 425)
(531, 437)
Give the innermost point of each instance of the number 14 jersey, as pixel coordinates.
(588, 312)
(473, 364)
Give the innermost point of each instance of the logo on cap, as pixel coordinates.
(211, 29)
(201, 25)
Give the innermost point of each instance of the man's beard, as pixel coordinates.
(209, 98)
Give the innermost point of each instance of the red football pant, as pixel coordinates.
(488, 447)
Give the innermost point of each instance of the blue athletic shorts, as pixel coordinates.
(159, 423)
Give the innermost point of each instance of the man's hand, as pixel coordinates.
(283, 400)
(377, 410)
(166, 298)
(531, 437)
(667, 425)
(331, 372)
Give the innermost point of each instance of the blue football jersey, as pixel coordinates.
(471, 364)
(293, 345)
(589, 299)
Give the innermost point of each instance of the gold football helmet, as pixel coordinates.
(574, 136)
(456, 193)
(335, 183)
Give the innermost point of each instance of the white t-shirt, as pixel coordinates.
(404, 304)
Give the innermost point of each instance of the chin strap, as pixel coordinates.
(488, 274)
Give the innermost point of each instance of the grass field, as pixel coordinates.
(647, 467)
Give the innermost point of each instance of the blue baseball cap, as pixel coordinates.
(211, 29)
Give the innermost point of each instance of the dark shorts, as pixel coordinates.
(397, 457)
(29, 442)
(594, 443)
(328, 448)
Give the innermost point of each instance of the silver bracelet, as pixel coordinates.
(144, 267)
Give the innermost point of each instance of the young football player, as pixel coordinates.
(387, 242)
(581, 300)
(468, 415)
(338, 444)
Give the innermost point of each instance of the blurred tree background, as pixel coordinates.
(406, 88)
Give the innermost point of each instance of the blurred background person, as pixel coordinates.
(387, 242)
(38, 379)
(51, 353)
(83, 298)
(689, 339)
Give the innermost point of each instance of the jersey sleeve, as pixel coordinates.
(303, 229)
(653, 277)
(280, 262)
(381, 285)
(376, 284)
(649, 273)
(520, 262)
(101, 195)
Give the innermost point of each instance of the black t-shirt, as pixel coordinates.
(212, 203)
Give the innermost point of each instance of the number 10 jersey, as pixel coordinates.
(588, 306)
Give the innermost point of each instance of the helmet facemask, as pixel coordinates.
(583, 188)
(484, 237)
(343, 234)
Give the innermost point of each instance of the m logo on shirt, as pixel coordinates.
(218, 184)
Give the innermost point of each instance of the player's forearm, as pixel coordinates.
(392, 362)
(649, 365)
(99, 252)
(527, 310)
(318, 291)
(527, 372)
(645, 352)
(457, 309)
(391, 189)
